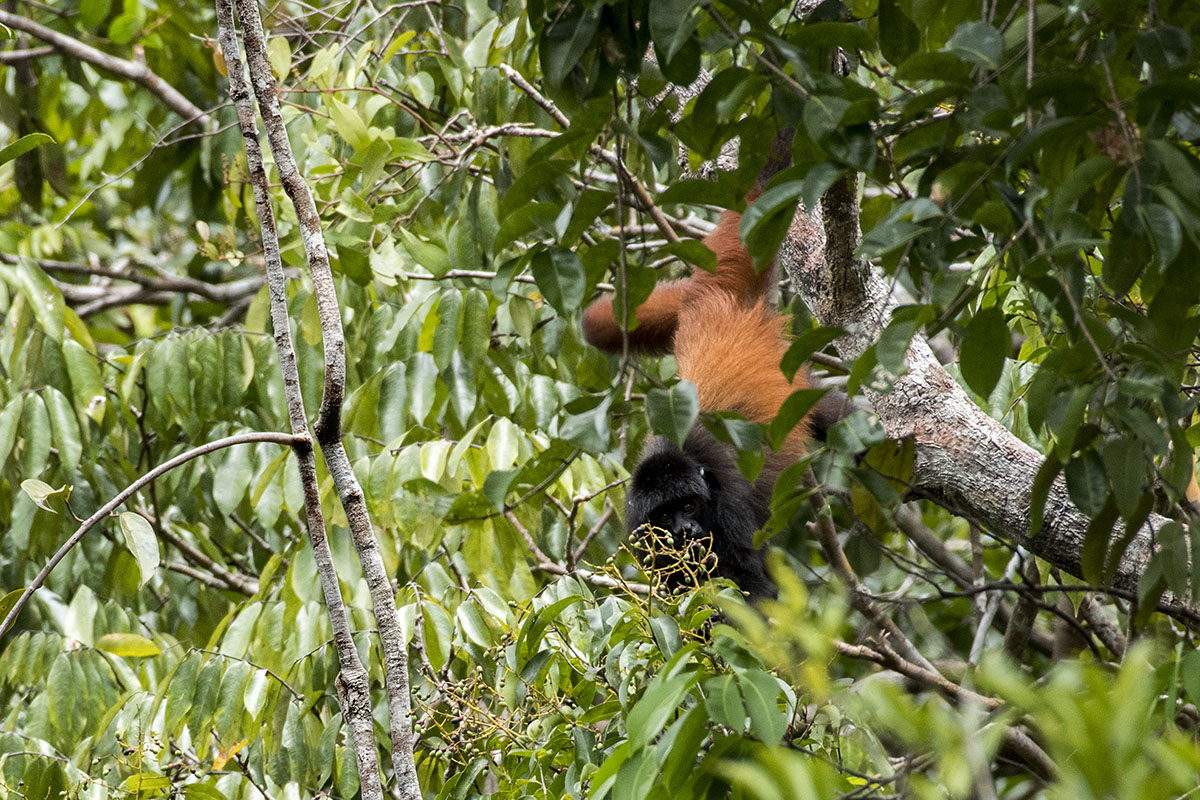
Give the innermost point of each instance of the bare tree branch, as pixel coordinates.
(131, 70)
(106, 509)
(353, 686)
(327, 428)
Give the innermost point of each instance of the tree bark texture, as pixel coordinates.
(966, 461)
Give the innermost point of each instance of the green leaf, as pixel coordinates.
(1042, 482)
(1086, 482)
(472, 625)
(636, 777)
(1128, 254)
(1191, 674)
(353, 261)
(984, 349)
(426, 254)
(145, 782)
(129, 645)
(671, 24)
(804, 345)
(560, 278)
(978, 43)
(448, 332)
(588, 429)
(142, 543)
(126, 27)
(476, 326)
(44, 298)
(232, 479)
(1164, 46)
(892, 348)
(898, 36)
(180, 691)
(724, 703)
(761, 693)
(692, 251)
(439, 633)
(279, 53)
(10, 418)
(7, 603)
(35, 430)
(794, 409)
(673, 411)
(41, 492)
(23, 145)
(1095, 543)
(65, 428)
(1166, 234)
(87, 387)
(656, 706)
(93, 12)
(460, 380)
(1126, 467)
(202, 791)
(350, 126)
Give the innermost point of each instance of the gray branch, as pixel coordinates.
(353, 685)
(327, 428)
(966, 461)
(131, 70)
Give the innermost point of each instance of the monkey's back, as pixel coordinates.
(732, 351)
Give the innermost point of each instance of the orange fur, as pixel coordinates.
(731, 351)
(656, 322)
(658, 316)
(725, 337)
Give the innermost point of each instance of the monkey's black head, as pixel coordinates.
(669, 491)
(697, 495)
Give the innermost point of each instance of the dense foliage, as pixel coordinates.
(1030, 184)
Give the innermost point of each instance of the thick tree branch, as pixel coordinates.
(966, 461)
(130, 70)
(353, 685)
(327, 428)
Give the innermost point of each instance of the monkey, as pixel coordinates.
(729, 342)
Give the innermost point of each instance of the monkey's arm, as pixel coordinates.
(656, 322)
(658, 316)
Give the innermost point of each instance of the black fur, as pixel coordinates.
(696, 491)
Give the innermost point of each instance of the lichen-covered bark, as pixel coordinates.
(965, 460)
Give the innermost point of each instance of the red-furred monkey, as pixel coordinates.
(728, 340)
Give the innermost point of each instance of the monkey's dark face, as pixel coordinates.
(693, 513)
(670, 490)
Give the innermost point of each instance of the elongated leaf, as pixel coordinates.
(23, 145)
(984, 349)
(131, 645)
(560, 277)
(673, 411)
(64, 427)
(661, 700)
(761, 693)
(35, 431)
(142, 543)
(10, 418)
(87, 386)
(724, 703)
(1086, 482)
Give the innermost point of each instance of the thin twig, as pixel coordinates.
(135, 71)
(287, 439)
(599, 152)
